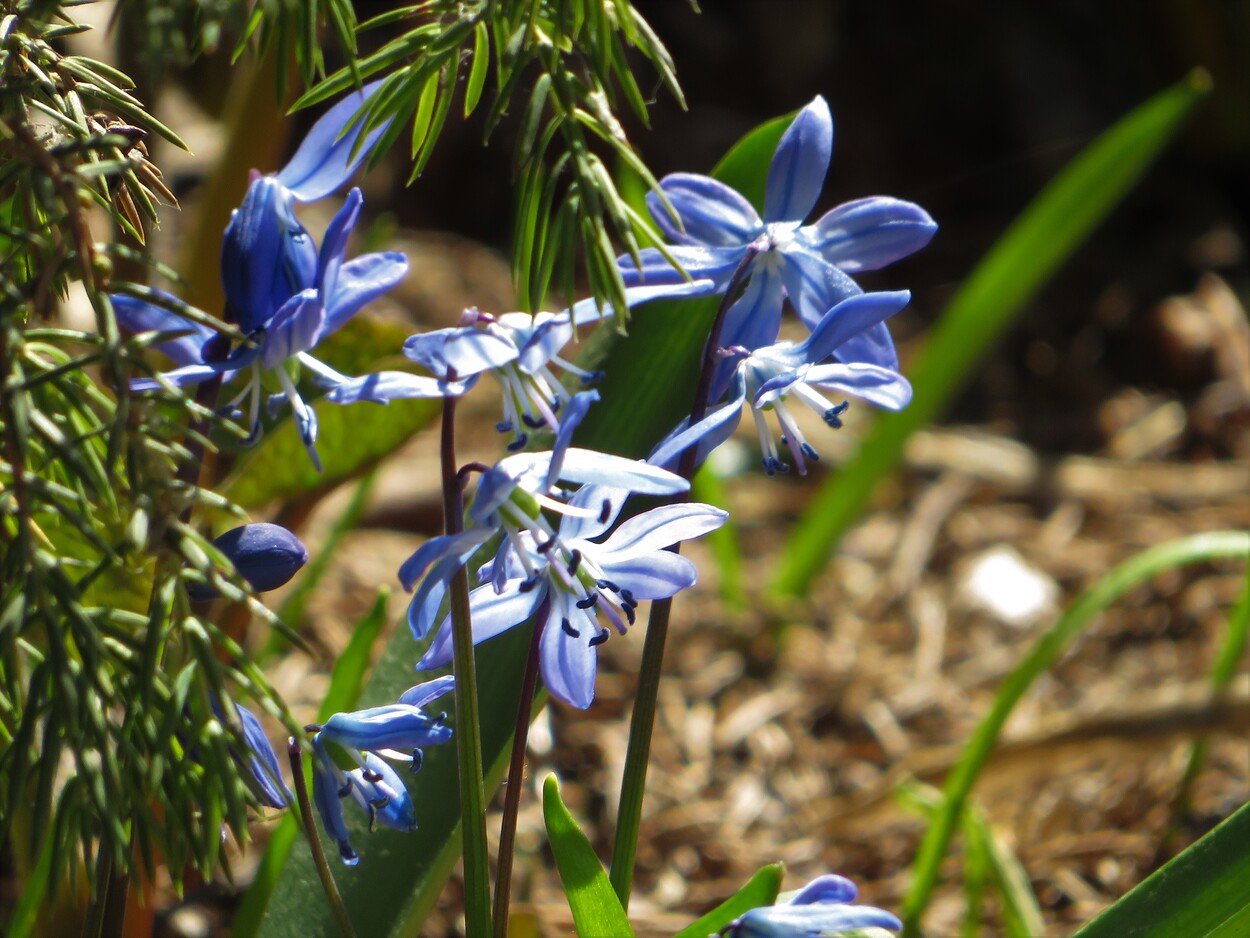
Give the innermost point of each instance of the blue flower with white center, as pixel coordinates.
(510, 498)
(521, 350)
(824, 907)
(580, 579)
(282, 293)
(768, 377)
(398, 731)
(809, 264)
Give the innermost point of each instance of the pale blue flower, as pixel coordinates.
(284, 294)
(811, 265)
(510, 498)
(769, 378)
(824, 907)
(521, 350)
(580, 579)
(396, 731)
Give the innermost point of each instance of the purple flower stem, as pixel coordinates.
(516, 778)
(295, 753)
(642, 719)
(468, 724)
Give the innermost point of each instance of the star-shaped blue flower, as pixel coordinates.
(580, 579)
(510, 498)
(767, 377)
(811, 265)
(825, 906)
(284, 294)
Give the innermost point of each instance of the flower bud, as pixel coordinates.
(266, 556)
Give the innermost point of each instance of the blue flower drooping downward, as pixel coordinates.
(398, 731)
(825, 906)
(769, 377)
(809, 264)
(283, 293)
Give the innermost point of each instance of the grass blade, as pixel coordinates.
(760, 890)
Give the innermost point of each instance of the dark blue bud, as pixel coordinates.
(266, 556)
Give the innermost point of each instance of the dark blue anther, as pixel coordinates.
(533, 422)
(605, 511)
(418, 760)
(504, 426)
(567, 626)
(607, 585)
(528, 584)
(575, 561)
(833, 416)
(518, 444)
(588, 602)
(810, 453)
(599, 638)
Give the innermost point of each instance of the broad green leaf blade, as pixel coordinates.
(346, 682)
(401, 875)
(596, 910)
(1202, 893)
(1198, 548)
(650, 379)
(351, 438)
(1054, 225)
(761, 889)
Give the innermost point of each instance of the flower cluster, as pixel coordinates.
(825, 906)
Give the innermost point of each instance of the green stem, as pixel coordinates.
(295, 753)
(477, 915)
(642, 720)
(516, 779)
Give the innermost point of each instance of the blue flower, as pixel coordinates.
(580, 580)
(260, 760)
(510, 498)
(767, 377)
(265, 555)
(284, 294)
(396, 731)
(519, 349)
(822, 907)
(809, 264)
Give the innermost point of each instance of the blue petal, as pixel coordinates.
(848, 319)
(262, 761)
(801, 921)
(574, 414)
(588, 310)
(326, 786)
(797, 172)
(755, 317)
(493, 613)
(828, 888)
(593, 468)
(712, 214)
(393, 726)
(334, 241)
(661, 527)
(135, 315)
(874, 384)
(874, 345)
(568, 664)
(427, 691)
(180, 377)
(657, 575)
(379, 790)
(466, 350)
(715, 264)
(592, 499)
(550, 334)
(813, 285)
(868, 234)
(359, 282)
(385, 386)
(708, 433)
(324, 160)
(293, 329)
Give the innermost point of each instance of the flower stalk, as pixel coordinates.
(468, 726)
(331, 888)
(642, 718)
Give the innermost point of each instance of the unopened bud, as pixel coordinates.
(266, 556)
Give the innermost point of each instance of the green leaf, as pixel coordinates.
(596, 910)
(1200, 894)
(1198, 548)
(760, 890)
(477, 75)
(1054, 225)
